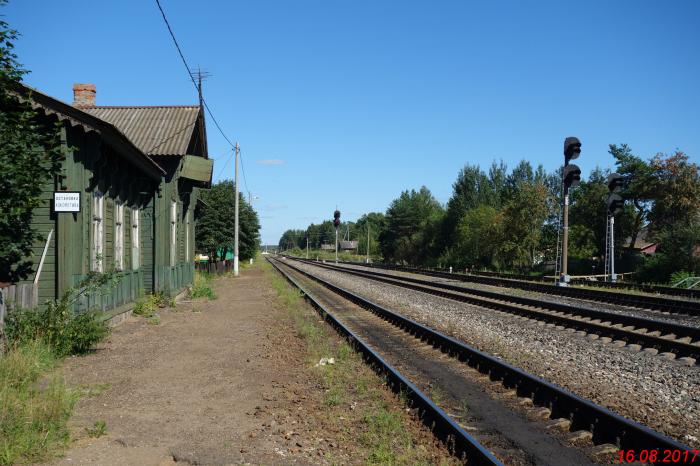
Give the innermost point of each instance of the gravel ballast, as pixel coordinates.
(649, 389)
(599, 306)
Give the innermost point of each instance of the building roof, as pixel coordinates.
(156, 130)
(77, 117)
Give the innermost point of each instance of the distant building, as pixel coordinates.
(347, 245)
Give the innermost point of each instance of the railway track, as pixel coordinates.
(462, 443)
(566, 408)
(672, 306)
(646, 288)
(676, 341)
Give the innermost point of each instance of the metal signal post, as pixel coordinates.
(615, 203)
(571, 176)
(336, 223)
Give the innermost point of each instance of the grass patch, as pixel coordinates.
(201, 287)
(154, 320)
(97, 430)
(91, 391)
(355, 398)
(35, 405)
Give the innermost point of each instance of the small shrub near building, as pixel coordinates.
(201, 288)
(57, 325)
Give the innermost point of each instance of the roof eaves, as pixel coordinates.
(77, 116)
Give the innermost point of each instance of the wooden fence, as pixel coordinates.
(218, 267)
(24, 295)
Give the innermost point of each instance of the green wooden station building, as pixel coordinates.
(126, 197)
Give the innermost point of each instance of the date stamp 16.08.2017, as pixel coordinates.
(660, 456)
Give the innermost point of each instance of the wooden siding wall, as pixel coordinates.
(88, 167)
(171, 279)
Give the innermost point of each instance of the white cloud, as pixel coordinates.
(271, 162)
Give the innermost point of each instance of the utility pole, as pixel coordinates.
(307, 247)
(368, 242)
(235, 235)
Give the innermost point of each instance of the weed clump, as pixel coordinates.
(201, 287)
(35, 404)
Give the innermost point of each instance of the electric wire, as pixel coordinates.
(190, 74)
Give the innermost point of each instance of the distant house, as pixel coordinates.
(347, 245)
(642, 244)
(124, 199)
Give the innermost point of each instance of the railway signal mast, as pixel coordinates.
(614, 203)
(571, 176)
(336, 224)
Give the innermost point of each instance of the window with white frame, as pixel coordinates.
(97, 250)
(135, 238)
(173, 233)
(119, 236)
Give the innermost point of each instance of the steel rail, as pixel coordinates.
(674, 306)
(666, 344)
(645, 287)
(445, 428)
(605, 425)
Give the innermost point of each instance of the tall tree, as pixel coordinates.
(639, 191)
(412, 226)
(30, 157)
(523, 217)
(471, 189)
(216, 226)
(376, 222)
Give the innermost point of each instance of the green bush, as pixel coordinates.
(61, 329)
(57, 325)
(146, 306)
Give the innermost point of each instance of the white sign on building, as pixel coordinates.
(66, 201)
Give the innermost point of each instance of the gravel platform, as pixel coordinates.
(662, 394)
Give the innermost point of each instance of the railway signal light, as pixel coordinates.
(615, 204)
(571, 175)
(615, 182)
(336, 218)
(572, 149)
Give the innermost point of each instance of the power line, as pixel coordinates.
(189, 73)
(245, 182)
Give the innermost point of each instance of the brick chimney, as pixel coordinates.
(84, 95)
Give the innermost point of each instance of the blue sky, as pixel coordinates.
(348, 103)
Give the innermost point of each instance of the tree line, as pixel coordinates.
(500, 219)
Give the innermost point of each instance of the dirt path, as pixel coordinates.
(194, 388)
(230, 381)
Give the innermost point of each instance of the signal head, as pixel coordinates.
(572, 148)
(615, 204)
(571, 175)
(615, 182)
